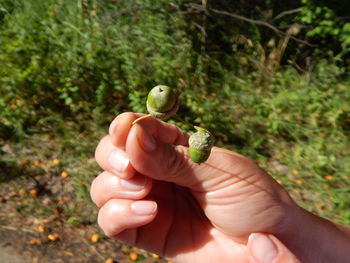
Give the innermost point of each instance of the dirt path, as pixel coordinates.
(9, 255)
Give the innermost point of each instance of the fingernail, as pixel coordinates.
(147, 142)
(136, 184)
(144, 207)
(118, 160)
(263, 248)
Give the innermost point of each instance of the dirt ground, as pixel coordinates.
(8, 254)
(17, 246)
(20, 242)
(41, 220)
(25, 239)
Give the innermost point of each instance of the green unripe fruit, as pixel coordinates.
(198, 156)
(200, 144)
(162, 102)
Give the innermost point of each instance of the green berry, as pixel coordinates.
(200, 144)
(198, 156)
(162, 102)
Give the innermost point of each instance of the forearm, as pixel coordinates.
(314, 239)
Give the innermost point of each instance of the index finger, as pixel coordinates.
(168, 133)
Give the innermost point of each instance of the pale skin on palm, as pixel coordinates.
(153, 196)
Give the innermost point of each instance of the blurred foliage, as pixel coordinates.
(75, 56)
(324, 25)
(271, 96)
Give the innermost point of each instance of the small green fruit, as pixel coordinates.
(198, 156)
(200, 144)
(162, 102)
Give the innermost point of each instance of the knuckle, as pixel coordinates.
(177, 162)
(108, 218)
(100, 148)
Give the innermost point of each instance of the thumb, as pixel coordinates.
(163, 161)
(157, 159)
(158, 152)
(266, 248)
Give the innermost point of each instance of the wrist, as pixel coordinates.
(314, 239)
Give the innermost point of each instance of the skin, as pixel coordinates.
(196, 213)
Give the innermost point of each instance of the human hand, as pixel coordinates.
(153, 196)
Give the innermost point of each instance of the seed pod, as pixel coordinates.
(200, 144)
(162, 102)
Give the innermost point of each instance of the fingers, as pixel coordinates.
(166, 162)
(265, 248)
(120, 126)
(168, 133)
(128, 148)
(158, 150)
(113, 159)
(158, 160)
(110, 154)
(108, 186)
(118, 215)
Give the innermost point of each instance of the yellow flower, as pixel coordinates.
(34, 192)
(41, 229)
(53, 237)
(64, 174)
(329, 177)
(319, 207)
(34, 241)
(21, 191)
(154, 255)
(109, 260)
(133, 256)
(56, 162)
(95, 238)
(299, 181)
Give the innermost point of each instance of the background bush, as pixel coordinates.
(70, 66)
